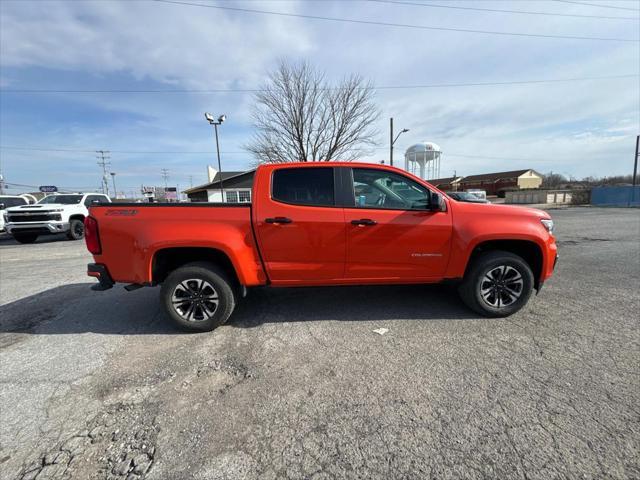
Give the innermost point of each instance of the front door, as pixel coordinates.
(392, 235)
(300, 229)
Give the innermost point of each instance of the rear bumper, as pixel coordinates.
(99, 271)
(37, 227)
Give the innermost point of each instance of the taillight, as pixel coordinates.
(91, 236)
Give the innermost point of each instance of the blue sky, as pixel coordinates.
(577, 128)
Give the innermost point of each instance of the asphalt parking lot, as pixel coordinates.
(98, 385)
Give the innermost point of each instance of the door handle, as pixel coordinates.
(278, 220)
(364, 222)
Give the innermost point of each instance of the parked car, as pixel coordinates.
(310, 225)
(8, 201)
(466, 197)
(58, 213)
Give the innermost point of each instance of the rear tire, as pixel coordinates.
(25, 237)
(198, 297)
(498, 284)
(76, 229)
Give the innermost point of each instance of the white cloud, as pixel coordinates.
(163, 42)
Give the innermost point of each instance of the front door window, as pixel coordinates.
(387, 190)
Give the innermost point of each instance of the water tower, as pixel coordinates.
(423, 160)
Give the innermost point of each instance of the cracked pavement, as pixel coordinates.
(98, 385)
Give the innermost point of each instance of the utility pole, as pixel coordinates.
(102, 161)
(191, 181)
(635, 162)
(165, 175)
(113, 177)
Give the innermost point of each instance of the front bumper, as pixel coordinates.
(37, 227)
(541, 282)
(99, 271)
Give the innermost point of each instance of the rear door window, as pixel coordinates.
(304, 186)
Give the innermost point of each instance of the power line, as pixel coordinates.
(165, 171)
(61, 189)
(597, 5)
(382, 87)
(78, 150)
(156, 152)
(498, 10)
(399, 25)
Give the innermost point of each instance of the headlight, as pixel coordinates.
(548, 224)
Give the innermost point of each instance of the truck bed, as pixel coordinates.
(133, 234)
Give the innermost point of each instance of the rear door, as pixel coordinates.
(391, 233)
(300, 229)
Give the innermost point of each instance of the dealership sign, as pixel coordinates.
(48, 189)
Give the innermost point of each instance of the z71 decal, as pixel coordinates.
(121, 213)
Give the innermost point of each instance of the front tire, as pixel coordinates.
(76, 229)
(25, 237)
(498, 284)
(198, 297)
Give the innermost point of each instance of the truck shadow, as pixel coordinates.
(352, 303)
(6, 239)
(75, 308)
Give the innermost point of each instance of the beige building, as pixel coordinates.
(530, 179)
(498, 183)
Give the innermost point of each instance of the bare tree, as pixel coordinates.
(298, 117)
(552, 179)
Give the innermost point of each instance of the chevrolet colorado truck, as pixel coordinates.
(313, 224)
(58, 213)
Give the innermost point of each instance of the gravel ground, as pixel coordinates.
(98, 385)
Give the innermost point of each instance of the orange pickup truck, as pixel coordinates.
(312, 224)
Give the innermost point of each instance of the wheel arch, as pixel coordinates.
(77, 216)
(167, 260)
(528, 250)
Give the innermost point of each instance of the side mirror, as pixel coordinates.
(2, 206)
(435, 204)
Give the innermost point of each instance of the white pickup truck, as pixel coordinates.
(58, 213)
(8, 201)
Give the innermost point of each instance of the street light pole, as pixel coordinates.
(215, 127)
(215, 124)
(393, 140)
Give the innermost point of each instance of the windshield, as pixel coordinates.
(465, 196)
(8, 202)
(64, 199)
